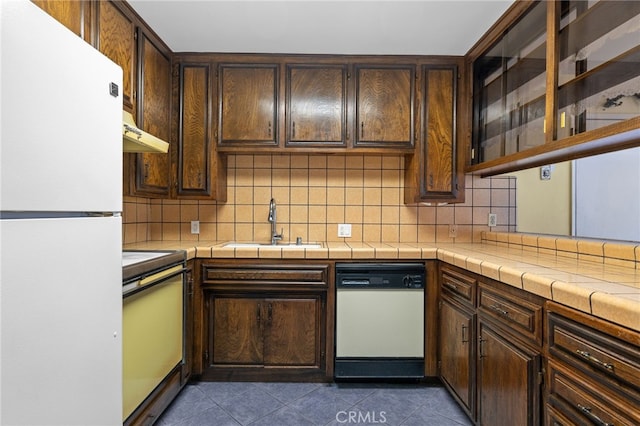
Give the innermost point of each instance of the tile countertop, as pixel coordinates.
(607, 291)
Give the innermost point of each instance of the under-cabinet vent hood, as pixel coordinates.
(137, 140)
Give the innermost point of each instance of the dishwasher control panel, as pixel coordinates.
(380, 275)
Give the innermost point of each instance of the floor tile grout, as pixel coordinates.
(313, 404)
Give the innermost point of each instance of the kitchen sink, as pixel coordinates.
(285, 245)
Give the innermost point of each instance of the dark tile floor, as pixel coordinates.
(301, 404)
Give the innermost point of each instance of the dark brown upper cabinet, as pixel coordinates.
(73, 14)
(198, 168)
(316, 105)
(384, 105)
(248, 104)
(117, 40)
(152, 170)
(435, 171)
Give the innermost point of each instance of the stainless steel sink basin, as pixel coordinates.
(284, 246)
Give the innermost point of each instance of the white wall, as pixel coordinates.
(607, 196)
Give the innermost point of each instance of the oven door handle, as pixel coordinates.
(163, 276)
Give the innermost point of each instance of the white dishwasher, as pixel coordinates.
(380, 320)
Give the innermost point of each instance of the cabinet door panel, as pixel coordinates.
(384, 106)
(194, 148)
(237, 334)
(69, 13)
(316, 104)
(152, 175)
(291, 334)
(456, 352)
(116, 40)
(439, 155)
(248, 97)
(507, 381)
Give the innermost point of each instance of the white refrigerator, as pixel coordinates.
(60, 225)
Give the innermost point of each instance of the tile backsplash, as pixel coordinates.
(315, 193)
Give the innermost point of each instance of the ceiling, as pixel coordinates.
(413, 27)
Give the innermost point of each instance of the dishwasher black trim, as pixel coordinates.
(379, 368)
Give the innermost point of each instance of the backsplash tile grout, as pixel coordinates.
(314, 193)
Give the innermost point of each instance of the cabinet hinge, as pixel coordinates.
(440, 304)
(348, 76)
(206, 355)
(540, 378)
(322, 355)
(439, 366)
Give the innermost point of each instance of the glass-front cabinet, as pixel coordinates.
(552, 80)
(599, 65)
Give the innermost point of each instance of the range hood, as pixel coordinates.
(137, 140)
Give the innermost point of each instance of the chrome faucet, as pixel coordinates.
(275, 237)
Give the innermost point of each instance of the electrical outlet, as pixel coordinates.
(492, 220)
(453, 231)
(344, 230)
(195, 226)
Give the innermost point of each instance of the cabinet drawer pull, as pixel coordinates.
(269, 129)
(586, 355)
(451, 286)
(293, 130)
(269, 313)
(464, 339)
(587, 412)
(259, 312)
(499, 310)
(480, 347)
(362, 130)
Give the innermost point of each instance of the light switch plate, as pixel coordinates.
(344, 230)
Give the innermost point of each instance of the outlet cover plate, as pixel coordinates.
(492, 220)
(344, 230)
(195, 226)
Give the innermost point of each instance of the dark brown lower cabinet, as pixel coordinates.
(593, 370)
(457, 365)
(264, 321)
(265, 331)
(509, 390)
(490, 348)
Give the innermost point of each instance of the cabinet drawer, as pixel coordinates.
(265, 274)
(586, 401)
(459, 284)
(517, 313)
(593, 350)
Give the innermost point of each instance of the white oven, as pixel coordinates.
(152, 324)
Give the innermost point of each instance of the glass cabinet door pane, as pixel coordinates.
(599, 64)
(509, 89)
